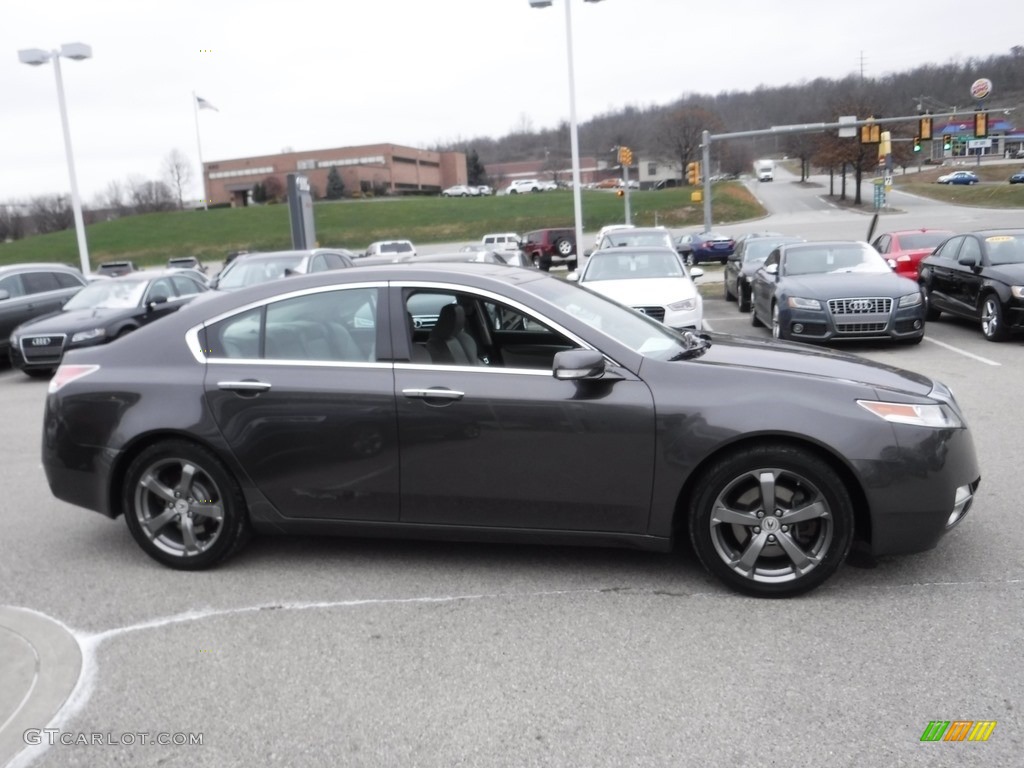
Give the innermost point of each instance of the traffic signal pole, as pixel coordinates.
(777, 130)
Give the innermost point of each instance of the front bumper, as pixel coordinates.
(821, 325)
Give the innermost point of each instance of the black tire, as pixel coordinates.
(992, 324)
(513, 192)
(183, 506)
(535, 260)
(742, 298)
(778, 332)
(754, 320)
(545, 264)
(931, 314)
(754, 550)
(564, 246)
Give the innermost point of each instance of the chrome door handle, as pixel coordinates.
(434, 394)
(251, 386)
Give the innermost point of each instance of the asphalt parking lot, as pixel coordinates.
(376, 653)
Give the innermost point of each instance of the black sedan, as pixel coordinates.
(317, 406)
(751, 251)
(979, 276)
(102, 311)
(835, 291)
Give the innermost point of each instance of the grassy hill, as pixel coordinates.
(153, 238)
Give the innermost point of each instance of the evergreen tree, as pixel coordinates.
(476, 174)
(335, 186)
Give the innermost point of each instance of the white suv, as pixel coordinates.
(395, 248)
(501, 241)
(523, 185)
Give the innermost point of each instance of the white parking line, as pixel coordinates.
(959, 351)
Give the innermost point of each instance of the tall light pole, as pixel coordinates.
(78, 52)
(574, 139)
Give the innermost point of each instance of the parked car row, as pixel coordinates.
(466, 190)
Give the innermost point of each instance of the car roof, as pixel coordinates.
(149, 274)
(626, 250)
(30, 265)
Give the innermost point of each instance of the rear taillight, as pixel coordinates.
(67, 373)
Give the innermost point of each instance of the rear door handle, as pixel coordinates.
(249, 387)
(434, 394)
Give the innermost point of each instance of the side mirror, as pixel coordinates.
(4, 294)
(696, 272)
(573, 277)
(891, 263)
(772, 269)
(968, 261)
(576, 364)
(155, 302)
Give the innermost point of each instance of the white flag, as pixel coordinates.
(204, 104)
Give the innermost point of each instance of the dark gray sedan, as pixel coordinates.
(528, 409)
(835, 291)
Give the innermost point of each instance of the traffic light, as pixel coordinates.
(947, 143)
(625, 156)
(693, 174)
(917, 143)
(924, 129)
(870, 133)
(981, 125)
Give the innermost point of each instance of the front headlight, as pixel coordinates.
(1017, 291)
(795, 302)
(94, 333)
(686, 305)
(934, 415)
(910, 299)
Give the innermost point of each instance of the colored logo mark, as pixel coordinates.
(958, 730)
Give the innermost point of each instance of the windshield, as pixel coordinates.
(822, 258)
(921, 240)
(757, 250)
(395, 247)
(639, 332)
(1005, 249)
(612, 265)
(243, 272)
(108, 294)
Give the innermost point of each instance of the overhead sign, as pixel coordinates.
(848, 132)
(979, 144)
(981, 88)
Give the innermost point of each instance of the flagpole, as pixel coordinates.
(199, 147)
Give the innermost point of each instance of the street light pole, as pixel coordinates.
(574, 140)
(35, 57)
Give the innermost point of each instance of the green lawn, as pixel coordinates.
(153, 238)
(994, 191)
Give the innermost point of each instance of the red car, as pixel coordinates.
(906, 248)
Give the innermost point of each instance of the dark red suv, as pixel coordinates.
(549, 247)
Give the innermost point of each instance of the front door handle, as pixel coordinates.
(248, 387)
(434, 394)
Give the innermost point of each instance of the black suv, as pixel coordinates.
(550, 247)
(28, 291)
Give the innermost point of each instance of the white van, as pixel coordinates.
(501, 241)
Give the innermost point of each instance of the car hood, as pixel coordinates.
(74, 320)
(808, 360)
(848, 285)
(637, 291)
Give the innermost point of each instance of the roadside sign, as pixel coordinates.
(979, 144)
(851, 131)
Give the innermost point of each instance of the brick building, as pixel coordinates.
(381, 169)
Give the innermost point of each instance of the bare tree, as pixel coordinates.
(147, 196)
(12, 221)
(50, 213)
(178, 174)
(680, 131)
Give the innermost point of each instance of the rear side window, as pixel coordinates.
(67, 280)
(40, 282)
(12, 284)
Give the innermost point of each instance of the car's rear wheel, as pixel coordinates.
(771, 521)
(931, 314)
(992, 318)
(183, 507)
(742, 297)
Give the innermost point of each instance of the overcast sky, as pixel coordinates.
(315, 74)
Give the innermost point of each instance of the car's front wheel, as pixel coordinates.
(772, 521)
(778, 332)
(728, 294)
(183, 507)
(931, 314)
(992, 318)
(754, 319)
(742, 297)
